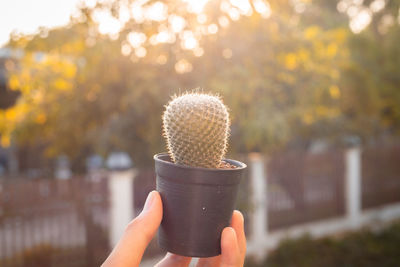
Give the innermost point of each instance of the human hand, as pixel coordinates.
(138, 234)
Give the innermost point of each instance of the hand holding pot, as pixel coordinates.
(129, 250)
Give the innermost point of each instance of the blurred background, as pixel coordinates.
(313, 88)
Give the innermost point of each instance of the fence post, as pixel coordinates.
(120, 184)
(353, 186)
(259, 220)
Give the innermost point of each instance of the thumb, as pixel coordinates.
(138, 234)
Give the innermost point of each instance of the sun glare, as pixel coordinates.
(361, 20)
(177, 23)
(157, 12)
(262, 7)
(107, 24)
(140, 52)
(183, 66)
(243, 6)
(202, 18)
(136, 39)
(223, 21)
(173, 26)
(189, 42)
(212, 28)
(195, 6)
(377, 5)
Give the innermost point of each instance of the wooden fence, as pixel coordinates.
(304, 187)
(380, 176)
(47, 222)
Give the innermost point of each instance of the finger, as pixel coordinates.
(209, 262)
(230, 253)
(138, 234)
(238, 225)
(172, 260)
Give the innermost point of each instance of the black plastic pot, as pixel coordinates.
(197, 205)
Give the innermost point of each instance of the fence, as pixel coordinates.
(321, 193)
(304, 187)
(53, 222)
(74, 222)
(380, 176)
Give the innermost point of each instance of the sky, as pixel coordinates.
(26, 16)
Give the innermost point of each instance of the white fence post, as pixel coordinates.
(259, 220)
(120, 184)
(353, 186)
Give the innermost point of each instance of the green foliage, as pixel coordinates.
(196, 127)
(364, 248)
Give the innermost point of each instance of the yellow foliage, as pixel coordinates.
(41, 118)
(11, 114)
(69, 70)
(5, 141)
(326, 112)
(331, 50)
(334, 91)
(308, 118)
(311, 32)
(13, 82)
(304, 55)
(61, 84)
(340, 35)
(290, 61)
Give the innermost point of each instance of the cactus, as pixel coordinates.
(196, 127)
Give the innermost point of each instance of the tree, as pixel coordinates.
(290, 71)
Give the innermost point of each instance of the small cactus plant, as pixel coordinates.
(196, 127)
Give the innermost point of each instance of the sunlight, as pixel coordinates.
(361, 20)
(195, 6)
(107, 24)
(126, 49)
(123, 14)
(189, 42)
(177, 23)
(234, 14)
(243, 6)
(223, 21)
(377, 5)
(212, 28)
(163, 36)
(161, 59)
(183, 66)
(137, 12)
(263, 8)
(140, 52)
(136, 39)
(202, 18)
(157, 12)
(353, 11)
(198, 52)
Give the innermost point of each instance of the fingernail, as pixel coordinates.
(149, 201)
(231, 229)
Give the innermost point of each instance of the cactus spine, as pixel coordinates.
(196, 127)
